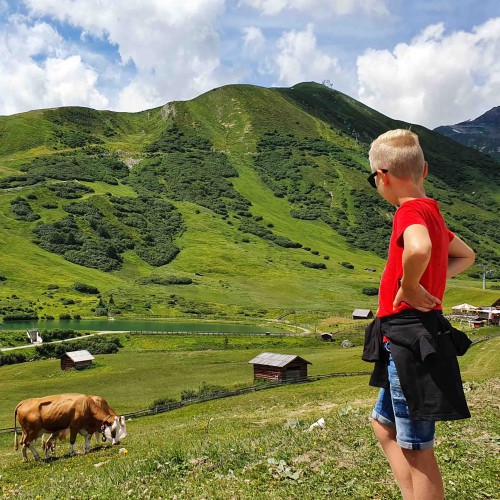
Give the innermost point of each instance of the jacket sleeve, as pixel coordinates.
(460, 340)
(373, 342)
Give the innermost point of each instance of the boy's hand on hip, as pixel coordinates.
(418, 298)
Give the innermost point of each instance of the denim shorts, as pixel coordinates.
(391, 410)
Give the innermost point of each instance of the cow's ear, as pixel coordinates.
(117, 420)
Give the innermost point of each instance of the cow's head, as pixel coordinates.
(115, 430)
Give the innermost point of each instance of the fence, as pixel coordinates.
(249, 334)
(224, 394)
(236, 392)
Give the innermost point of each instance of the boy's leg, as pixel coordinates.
(386, 436)
(416, 440)
(425, 474)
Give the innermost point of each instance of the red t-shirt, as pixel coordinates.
(424, 211)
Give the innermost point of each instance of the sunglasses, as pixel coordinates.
(371, 177)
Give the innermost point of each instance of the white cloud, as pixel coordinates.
(253, 40)
(37, 72)
(174, 45)
(299, 59)
(437, 79)
(319, 7)
(22, 39)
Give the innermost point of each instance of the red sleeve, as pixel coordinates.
(404, 218)
(450, 235)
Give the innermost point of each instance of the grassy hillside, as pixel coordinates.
(250, 446)
(257, 196)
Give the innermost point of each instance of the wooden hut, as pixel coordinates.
(279, 367)
(362, 314)
(76, 360)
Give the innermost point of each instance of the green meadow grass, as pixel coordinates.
(239, 278)
(249, 446)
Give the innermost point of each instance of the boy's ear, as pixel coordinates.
(384, 177)
(426, 169)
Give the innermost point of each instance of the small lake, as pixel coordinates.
(135, 325)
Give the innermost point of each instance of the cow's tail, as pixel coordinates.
(16, 442)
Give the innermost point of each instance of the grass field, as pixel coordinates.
(235, 273)
(249, 446)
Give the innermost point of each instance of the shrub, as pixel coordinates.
(161, 402)
(12, 358)
(64, 316)
(82, 287)
(168, 280)
(100, 311)
(347, 265)
(69, 190)
(59, 334)
(188, 394)
(2, 277)
(204, 390)
(369, 290)
(20, 316)
(314, 265)
(23, 211)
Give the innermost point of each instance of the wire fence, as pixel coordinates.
(174, 405)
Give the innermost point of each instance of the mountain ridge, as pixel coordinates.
(481, 133)
(258, 196)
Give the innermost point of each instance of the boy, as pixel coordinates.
(411, 342)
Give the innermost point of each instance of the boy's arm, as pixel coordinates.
(460, 257)
(416, 256)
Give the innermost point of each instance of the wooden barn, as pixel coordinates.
(76, 360)
(362, 314)
(279, 367)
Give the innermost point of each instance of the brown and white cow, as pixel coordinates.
(49, 444)
(51, 414)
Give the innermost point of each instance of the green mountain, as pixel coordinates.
(245, 201)
(482, 133)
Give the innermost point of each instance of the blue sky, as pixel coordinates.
(429, 62)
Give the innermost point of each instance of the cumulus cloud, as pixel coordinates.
(173, 45)
(437, 78)
(253, 40)
(37, 71)
(319, 7)
(299, 59)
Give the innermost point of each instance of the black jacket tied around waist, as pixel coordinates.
(424, 347)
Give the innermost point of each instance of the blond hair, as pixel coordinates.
(398, 151)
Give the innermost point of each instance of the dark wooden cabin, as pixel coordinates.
(76, 360)
(279, 367)
(362, 314)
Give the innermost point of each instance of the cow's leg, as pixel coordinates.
(35, 453)
(88, 437)
(28, 443)
(23, 449)
(49, 445)
(23, 446)
(72, 438)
